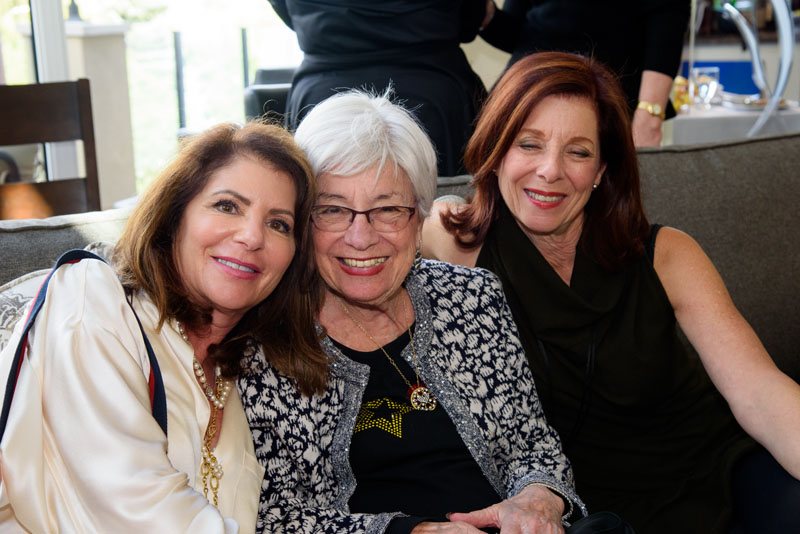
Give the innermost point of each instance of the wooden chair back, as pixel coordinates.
(44, 113)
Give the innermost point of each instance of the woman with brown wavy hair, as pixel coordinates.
(216, 262)
(597, 293)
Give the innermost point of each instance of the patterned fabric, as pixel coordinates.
(14, 299)
(469, 356)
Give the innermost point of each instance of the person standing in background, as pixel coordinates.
(639, 40)
(411, 45)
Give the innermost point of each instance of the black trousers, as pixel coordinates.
(765, 497)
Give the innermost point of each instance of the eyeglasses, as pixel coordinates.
(329, 218)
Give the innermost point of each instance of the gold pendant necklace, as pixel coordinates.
(210, 468)
(418, 394)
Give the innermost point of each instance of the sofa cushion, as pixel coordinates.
(18, 293)
(739, 200)
(32, 244)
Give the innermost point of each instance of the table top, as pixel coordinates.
(720, 123)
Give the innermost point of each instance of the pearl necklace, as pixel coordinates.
(210, 468)
(222, 386)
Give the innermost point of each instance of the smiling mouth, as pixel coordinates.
(372, 262)
(236, 266)
(544, 198)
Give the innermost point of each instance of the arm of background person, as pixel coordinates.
(109, 454)
(473, 13)
(283, 12)
(764, 400)
(665, 24)
(655, 88)
(503, 30)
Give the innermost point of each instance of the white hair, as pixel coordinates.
(352, 131)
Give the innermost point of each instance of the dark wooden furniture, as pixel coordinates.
(42, 113)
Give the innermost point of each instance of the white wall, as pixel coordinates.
(98, 53)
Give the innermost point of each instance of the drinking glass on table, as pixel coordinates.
(706, 83)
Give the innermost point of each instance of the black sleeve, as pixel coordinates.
(504, 30)
(283, 12)
(665, 22)
(472, 13)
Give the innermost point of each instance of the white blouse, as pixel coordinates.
(82, 452)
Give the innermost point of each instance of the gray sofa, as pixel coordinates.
(738, 199)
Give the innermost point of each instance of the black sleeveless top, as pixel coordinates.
(648, 435)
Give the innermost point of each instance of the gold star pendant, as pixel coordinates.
(385, 414)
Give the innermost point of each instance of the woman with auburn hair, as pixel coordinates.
(211, 262)
(597, 293)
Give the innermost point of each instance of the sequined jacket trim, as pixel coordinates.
(461, 318)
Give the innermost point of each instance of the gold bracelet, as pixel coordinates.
(653, 108)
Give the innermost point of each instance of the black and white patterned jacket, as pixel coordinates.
(469, 356)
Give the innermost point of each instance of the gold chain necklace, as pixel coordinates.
(418, 394)
(210, 468)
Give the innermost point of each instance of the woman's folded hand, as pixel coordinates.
(535, 510)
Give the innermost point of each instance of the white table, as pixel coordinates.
(721, 124)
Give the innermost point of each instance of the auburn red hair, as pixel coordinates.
(615, 226)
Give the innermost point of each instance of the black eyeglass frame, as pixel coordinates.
(366, 213)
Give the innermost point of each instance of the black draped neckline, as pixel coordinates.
(529, 281)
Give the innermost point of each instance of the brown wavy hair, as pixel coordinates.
(283, 323)
(615, 226)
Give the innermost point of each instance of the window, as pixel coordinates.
(16, 47)
(211, 47)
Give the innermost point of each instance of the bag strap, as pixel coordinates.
(158, 397)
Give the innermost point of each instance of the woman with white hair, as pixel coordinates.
(430, 408)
